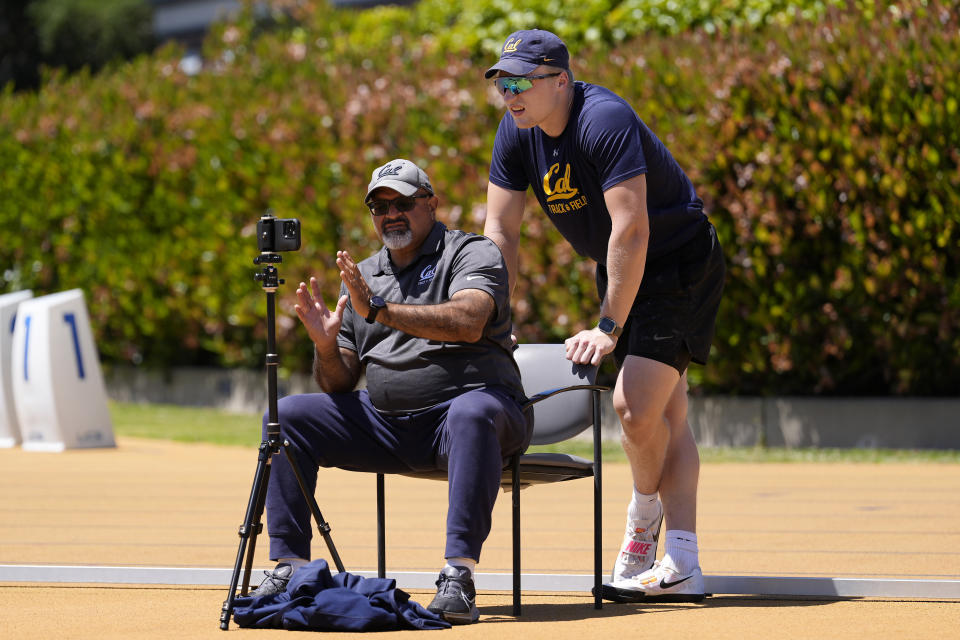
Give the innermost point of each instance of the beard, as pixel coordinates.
(397, 239)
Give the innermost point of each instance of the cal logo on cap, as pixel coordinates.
(390, 171)
(510, 46)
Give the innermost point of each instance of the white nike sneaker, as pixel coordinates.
(662, 583)
(639, 548)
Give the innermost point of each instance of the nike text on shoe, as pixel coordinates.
(456, 596)
(639, 549)
(662, 583)
(275, 582)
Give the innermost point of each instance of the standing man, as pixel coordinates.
(617, 195)
(428, 319)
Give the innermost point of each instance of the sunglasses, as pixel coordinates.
(402, 204)
(518, 84)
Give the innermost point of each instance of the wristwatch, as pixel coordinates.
(609, 327)
(376, 303)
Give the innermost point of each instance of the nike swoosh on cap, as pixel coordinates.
(668, 585)
(474, 277)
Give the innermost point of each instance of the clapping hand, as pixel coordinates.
(322, 324)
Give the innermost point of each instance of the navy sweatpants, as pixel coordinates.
(470, 436)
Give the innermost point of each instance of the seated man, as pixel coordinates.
(428, 317)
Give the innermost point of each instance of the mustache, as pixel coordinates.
(399, 224)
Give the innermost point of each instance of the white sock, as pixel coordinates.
(468, 563)
(643, 507)
(295, 563)
(680, 551)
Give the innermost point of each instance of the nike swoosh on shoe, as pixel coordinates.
(669, 585)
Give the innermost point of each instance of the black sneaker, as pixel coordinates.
(456, 596)
(275, 582)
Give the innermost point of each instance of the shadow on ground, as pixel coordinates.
(559, 612)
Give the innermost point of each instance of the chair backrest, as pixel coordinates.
(544, 367)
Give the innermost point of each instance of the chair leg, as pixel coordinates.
(597, 504)
(381, 529)
(516, 533)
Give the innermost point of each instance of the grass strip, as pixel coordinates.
(186, 424)
(216, 426)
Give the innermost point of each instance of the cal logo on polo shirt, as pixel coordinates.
(427, 274)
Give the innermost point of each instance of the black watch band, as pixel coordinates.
(609, 327)
(376, 303)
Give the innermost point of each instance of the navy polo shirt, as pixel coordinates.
(604, 143)
(406, 373)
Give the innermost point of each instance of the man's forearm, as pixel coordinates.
(627, 246)
(626, 258)
(509, 248)
(461, 319)
(502, 225)
(331, 372)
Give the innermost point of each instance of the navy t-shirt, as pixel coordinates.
(604, 143)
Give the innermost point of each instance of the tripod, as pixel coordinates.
(252, 526)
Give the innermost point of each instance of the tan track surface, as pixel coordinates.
(151, 503)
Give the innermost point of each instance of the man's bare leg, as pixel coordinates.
(651, 401)
(643, 389)
(681, 469)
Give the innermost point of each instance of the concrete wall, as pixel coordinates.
(887, 423)
(243, 391)
(896, 423)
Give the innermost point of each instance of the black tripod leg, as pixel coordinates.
(248, 530)
(257, 530)
(314, 508)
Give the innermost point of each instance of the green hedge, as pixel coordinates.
(827, 153)
(480, 26)
(836, 182)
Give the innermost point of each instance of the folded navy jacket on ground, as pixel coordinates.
(317, 600)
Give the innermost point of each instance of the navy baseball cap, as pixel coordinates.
(526, 50)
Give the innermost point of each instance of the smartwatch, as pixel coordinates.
(376, 303)
(609, 327)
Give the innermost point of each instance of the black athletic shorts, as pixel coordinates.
(673, 316)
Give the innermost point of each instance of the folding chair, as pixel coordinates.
(566, 401)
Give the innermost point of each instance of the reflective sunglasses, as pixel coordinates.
(401, 204)
(518, 84)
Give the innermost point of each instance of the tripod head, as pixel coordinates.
(268, 276)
